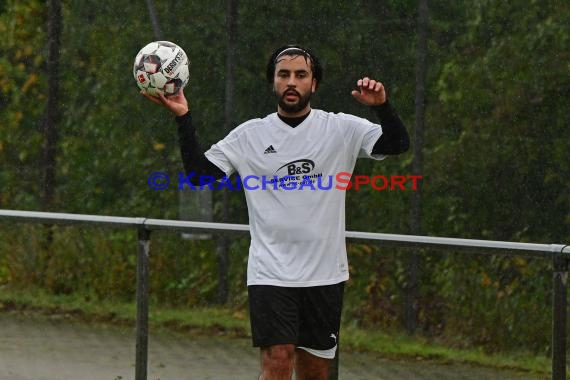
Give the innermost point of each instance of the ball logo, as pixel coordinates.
(141, 78)
(298, 167)
(174, 63)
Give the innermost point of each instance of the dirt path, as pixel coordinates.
(41, 348)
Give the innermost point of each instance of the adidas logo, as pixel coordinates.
(270, 149)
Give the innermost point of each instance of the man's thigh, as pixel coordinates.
(307, 317)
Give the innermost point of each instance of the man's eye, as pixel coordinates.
(282, 75)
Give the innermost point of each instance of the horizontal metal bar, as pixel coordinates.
(182, 225)
(63, 218)
(542, 250)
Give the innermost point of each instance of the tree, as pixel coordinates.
(229, 121)
(154, 19)
(52, 112)
(412, 284)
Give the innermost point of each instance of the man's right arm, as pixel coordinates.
(193, 157)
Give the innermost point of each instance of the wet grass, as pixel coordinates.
(221, 321)
(402, 346)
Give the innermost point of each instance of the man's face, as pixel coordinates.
(293, 85)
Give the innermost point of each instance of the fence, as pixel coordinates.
(558, 253)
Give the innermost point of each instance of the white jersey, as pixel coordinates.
(296, 214)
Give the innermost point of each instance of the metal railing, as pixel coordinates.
(558, 253)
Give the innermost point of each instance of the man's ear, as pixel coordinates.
(314, 86)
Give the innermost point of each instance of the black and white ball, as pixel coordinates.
(161, 66)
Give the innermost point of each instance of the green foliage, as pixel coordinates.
(21, 101)
(97, 263)
(495, 159)
(502, 98)
(517, 290)
(101, 264)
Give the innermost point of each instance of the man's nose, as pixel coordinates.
(292, 82)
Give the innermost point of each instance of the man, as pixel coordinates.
(297, 262)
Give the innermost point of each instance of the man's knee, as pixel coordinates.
(277, 361)
(311, 367)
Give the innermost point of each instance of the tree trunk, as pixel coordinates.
(52, 111)
(412, 283)
(154, 20)
(223, 242)
(50, 121)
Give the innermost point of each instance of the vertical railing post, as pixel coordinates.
(559, 317)
(143, 252)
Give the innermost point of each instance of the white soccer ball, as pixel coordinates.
(161, 66)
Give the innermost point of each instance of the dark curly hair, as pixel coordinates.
(294, 50)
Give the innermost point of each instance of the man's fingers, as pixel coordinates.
(369, 91)
(162, 98)
(150, 97)
(369, 84)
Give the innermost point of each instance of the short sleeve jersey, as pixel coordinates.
(290, 177)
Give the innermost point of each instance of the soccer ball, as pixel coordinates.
(161, 66)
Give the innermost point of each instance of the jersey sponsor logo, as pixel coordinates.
(297, 167)
(297, 174)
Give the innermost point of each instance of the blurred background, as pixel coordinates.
(482, 86)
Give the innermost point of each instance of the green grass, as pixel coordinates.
(223, 321)
(198, 320)
(402, 346)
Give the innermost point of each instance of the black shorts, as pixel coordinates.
(306, 317)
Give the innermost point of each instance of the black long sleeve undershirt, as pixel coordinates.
(394, 140)
(193, 158)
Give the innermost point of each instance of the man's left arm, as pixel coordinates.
(394, 138)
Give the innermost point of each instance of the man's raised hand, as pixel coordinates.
(370, 92)
(177, 104)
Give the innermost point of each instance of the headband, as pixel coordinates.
(293, 51)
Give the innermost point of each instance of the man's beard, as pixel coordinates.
(301, 103)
